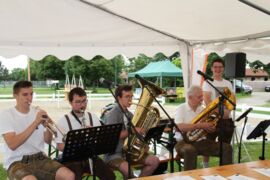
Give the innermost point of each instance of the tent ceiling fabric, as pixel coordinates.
(193, 20)
(73, 27)
(65, 28)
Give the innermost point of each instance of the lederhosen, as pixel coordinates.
(78, 167)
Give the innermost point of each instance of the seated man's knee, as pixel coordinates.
(152, 161)
(64, 173)
(29, 177)
(123, 168)
(187, 150)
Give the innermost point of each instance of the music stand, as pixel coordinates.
(154, 133)
(260, 131)
(82, 144)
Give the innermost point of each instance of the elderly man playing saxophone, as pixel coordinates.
(184, 115)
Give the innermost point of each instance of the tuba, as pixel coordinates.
(145, 117)
(210, 116)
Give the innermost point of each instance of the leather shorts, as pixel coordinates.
(38, 165)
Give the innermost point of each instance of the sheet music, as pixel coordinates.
(264, 171)
(179, 178)
(213, 177)
(240, 177)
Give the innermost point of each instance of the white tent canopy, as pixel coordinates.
(65, 28)
(90, 27)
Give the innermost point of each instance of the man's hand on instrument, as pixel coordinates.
(141, 131)
(226, 113)
(208, 127)
(41, 117)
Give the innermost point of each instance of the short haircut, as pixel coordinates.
(119, 90)
(192, 89)
(21, 84)
(219, 60)
(76, 91)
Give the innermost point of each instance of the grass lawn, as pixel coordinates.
(8, 90)
(254, 150)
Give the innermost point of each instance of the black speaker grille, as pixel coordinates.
(235, 65)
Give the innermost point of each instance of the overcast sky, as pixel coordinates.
(16, 62)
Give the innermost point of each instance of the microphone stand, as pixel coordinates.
(129, 129)
(222, 97)
(240, 141)
(172, 142)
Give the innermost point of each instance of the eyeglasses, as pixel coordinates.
(78, 102)
(218, 67)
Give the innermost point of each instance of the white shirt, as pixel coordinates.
(220, 85)
(12, 120)
(62, 124)
(184, 114)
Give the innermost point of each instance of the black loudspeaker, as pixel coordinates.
(235, 65)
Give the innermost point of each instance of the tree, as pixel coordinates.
(159, 57)
(259, 65)
(18, 74)
(49, 67)
(139, 62)
(3, 72)
(118, 66)
(100, 67)
(177, 62)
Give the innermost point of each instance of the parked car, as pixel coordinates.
(267, 88)
(242, 87)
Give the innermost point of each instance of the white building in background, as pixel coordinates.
(257, 80)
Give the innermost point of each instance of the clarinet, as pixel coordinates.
(83, 119)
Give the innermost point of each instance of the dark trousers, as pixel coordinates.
(224, 132)
(102, 171)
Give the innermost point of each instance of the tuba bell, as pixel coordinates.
(209, 115)
(145, 117)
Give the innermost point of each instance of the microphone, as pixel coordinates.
(244, 114)
(105, 82)
(205, 76)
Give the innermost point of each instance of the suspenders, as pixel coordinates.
(69, 123)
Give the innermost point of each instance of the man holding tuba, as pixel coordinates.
(189, 150)
(78, 118)
(22, 128)
(117, 160)
(209, 94)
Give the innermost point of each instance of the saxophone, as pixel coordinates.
(210, 116)
(145, 117)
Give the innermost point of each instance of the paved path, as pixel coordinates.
(256, 99)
